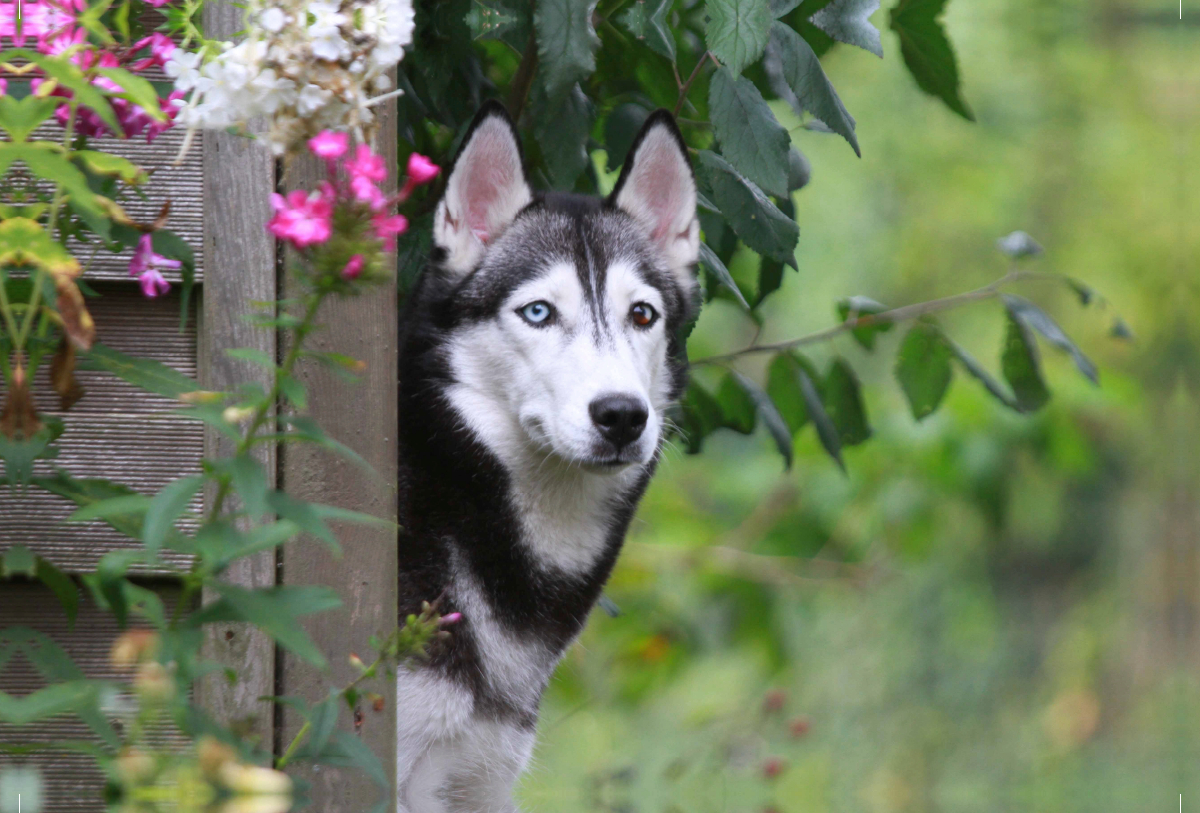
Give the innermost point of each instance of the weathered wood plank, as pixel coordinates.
(239, 176)
(363, 416)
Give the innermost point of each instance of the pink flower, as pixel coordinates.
(353, 268)
(450, 618)
(387, 227)
(421, 170)
(366, 191)
(161, 47)
(3, 86)
(329, 145)
(303, 219)
(366, 164)
(148, 267)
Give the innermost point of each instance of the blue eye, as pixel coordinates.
(537, 313)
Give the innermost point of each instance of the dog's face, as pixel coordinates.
(564, 310)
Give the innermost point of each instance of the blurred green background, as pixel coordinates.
(990, 612)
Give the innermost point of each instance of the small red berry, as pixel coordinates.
(774, 700)
(799, 727)
(773, 767)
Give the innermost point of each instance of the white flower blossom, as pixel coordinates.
(306, 65)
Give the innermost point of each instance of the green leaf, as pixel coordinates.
(304, 515)
(19, 561)
(750, 137)
(59, 698)
(843, 401)
(69, 75)
(345, 750)
(61, 585)
(737, 31)
(250, 482)
(756, 220)
(135, 89)
(738, 410)
(274, 610)
(564, 129)
(923, 368)
(146, 374)
(783, 386)
(983, 376)
(801, 70)
(23, 242)
(827, 430)
(799, 170)
(21, 117)
(700, 415)
(856, 306)
(927, 52)
(1022, 366)
(647, 21)
(105, 163)
(620, 128)
(772, 420)
(566, 43)
(323, 722)
(252, 355)
(166, 507)
(505, 20)
(1026, 312)
(713, 263)
(849, 21)
(118, 505)
(19, 455)
(770, 277)
(48, 161)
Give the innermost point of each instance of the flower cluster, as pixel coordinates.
(53, 27)
(307, 66)
(344, 226)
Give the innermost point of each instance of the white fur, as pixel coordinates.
(660, 193)
(485, 191)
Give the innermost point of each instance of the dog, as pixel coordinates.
(540, 353)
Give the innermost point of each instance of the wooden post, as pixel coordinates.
(363, 416)
(240, 268)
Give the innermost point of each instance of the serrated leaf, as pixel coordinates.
(566, 43)
(647, 21)
(770, 277)
(710, 260)
(983, 376)
(771, 419)
(756, 220)
(856, 306)
(927, 52)
(753, 141)
(620, 128)
(923, 369)
(738, 410)
(840, 392)
(701, 415)
(827, 430)
(737, 31)
(564, 130)
(1036, 318)
(849, 21)
(783, 386)
(800, 68)
(1022, 367)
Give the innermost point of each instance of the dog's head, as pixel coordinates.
(563, 311)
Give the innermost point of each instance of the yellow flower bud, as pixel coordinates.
(154, 683)
(252, 779)
(212, 754)
(133, 647)
(133, 767)
(236, 415)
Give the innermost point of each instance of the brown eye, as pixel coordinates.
(643, 314)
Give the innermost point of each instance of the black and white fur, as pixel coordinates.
(526, 442)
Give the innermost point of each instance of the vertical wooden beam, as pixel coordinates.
(240, 268)
(363, 416)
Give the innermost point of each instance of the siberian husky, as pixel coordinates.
(540, 352)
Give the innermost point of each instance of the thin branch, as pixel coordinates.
(683, 90)
(892, 316)
(523, 79)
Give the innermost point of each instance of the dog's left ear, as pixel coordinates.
(657, 187)
(486, 189)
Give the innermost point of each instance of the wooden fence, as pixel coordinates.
(219, 203)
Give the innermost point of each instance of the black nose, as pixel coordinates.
(620, 418)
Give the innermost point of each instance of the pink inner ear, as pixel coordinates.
(489, 177)
(657, 181)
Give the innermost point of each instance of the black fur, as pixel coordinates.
(454, 491)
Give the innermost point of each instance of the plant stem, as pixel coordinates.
(288, 752)
(523, 79)
(683, 90)
(892, 316)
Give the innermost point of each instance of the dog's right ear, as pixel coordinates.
(487, 188)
